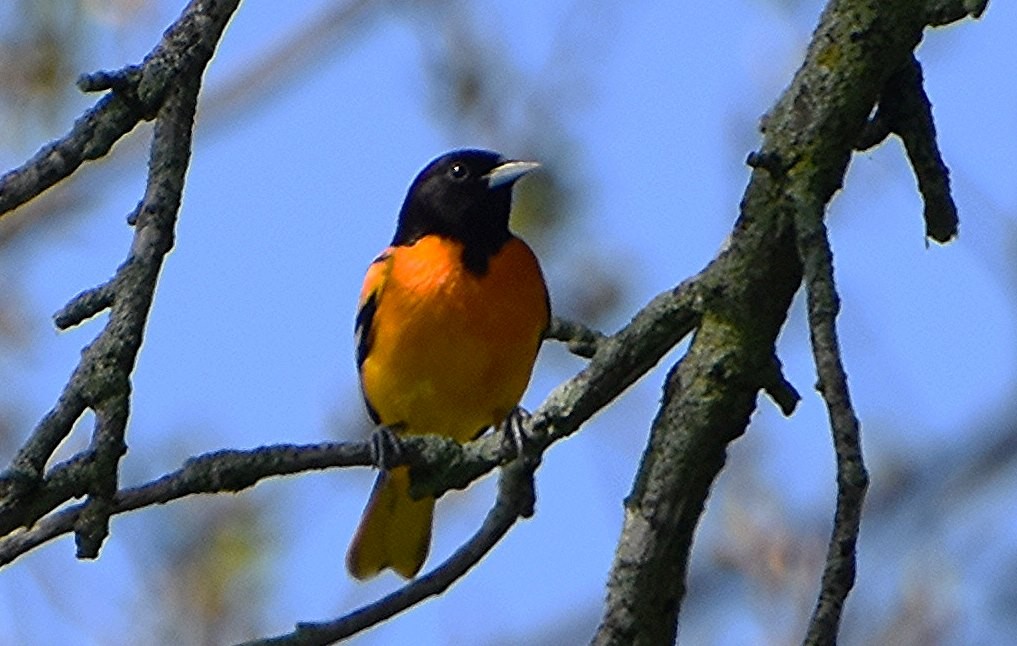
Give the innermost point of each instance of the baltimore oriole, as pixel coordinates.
(450, 319)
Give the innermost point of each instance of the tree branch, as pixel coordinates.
(737, 306)
(710, 393)
(85, 305)
(944, 12)
(138, 92)
(579, 339)
(101, 381)
(215, 472)
(438, 463)
(904, 109)
(852, 479)
(708, 398)
(515, 500)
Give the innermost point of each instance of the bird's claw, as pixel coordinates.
(386, 447)
(515, 432)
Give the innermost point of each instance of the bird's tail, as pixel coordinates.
(395, 530)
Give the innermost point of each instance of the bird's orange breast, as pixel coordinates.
(451, 351)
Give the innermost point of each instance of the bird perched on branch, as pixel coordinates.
(450, 319)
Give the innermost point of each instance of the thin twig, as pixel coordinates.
(914, 125)
(905, 110)
(579, 339)
(852, 478)
(780, 390)
(85, 305)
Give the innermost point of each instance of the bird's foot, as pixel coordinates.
(386, 447)
(515, 432)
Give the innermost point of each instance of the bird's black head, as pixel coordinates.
(465, 195)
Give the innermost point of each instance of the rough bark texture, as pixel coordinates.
(711, 392)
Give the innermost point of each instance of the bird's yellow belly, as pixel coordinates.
(452, 352)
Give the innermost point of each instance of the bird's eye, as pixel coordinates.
(458, 171)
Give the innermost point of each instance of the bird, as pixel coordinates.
(451, 316)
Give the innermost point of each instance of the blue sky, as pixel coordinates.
(250, 339)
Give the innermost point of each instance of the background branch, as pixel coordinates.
(185, 48)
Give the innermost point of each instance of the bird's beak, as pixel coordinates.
(510, 171)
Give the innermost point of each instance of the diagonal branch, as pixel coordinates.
(85, 305)
(617, 363)
(134, 289)
(515, 500)
(278, 66)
